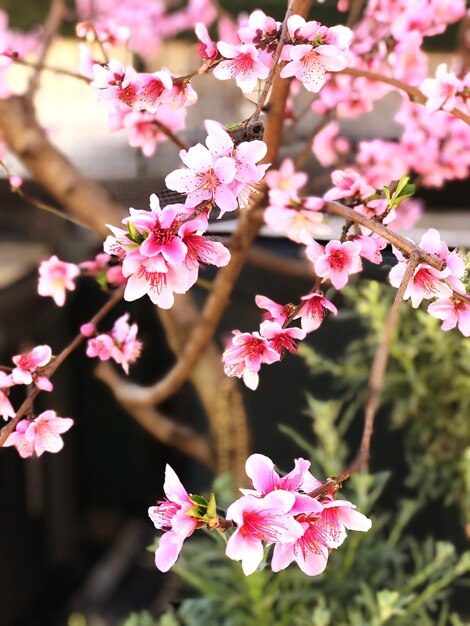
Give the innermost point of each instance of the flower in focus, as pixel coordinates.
(28, 367)
(170, 515)
(120, 344)
(313, 311)
(39, 435)
(243, 358)
(336, 261)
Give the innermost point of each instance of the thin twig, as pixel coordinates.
(50, 370)
(406, 246)
(272, 72)
(52, 26)
(379, 366)
(413, 92)
(170, 135)
(49, 68)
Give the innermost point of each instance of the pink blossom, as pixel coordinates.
(152, 90)
(202, 249)
(120, 344)
(426, 281)
(55, 278)
(442, 90)
(29, 365)
(336, 261)
(370, 247)
(309, 64)
(6, 409)
(87, 329)
(101, 347)
(296, 218)
(39, 435)
(244, 356)
(243, 64)
(207, 48)
(274, 312)
(115, 84)
(454, 311)
(348, 183)
(281, 339)
(204, 178)
(286, 179)
(143, 128)
(313, 311)
(260, 520)
(321, 532)
(327, 145)
(299, 481)
(170, 515)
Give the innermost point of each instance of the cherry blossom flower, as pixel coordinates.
(454, 311)
(309, 63)
(55, 278)
(281, 339)
(336, 261)
(260, 520)
(6, 408)
(152, 90)
(348, 183)
(274, 312)
(29, 365)
(327, 144)
(115, 84)
(39, 435)
(321, 532)
(170, 515)
(204, 178)
(120, 344)
(243, 64)
(297, 218)
(299, 481)
(244, 356)
(313, 311)
(100, 346)
(442, 90)
(207, 48)
(426, 281)
(286, 178)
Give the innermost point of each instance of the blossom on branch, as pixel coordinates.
(39, 435)
(171, 516)
(6, 409)
(120, 344)
(28, 368)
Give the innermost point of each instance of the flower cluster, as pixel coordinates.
(277, 512)
(161, 251)
(120, 344)
(246, 352)
(220, 172)
(287, 213)
(452, 305)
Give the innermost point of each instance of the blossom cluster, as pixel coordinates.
(246, 352)
(41, 434)
(278, 512)
(161, 251)
(120, 343)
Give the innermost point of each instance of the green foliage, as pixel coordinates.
(383, 577)
(426, 391)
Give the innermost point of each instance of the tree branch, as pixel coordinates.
(50, 370)
(413, 92)
(379, 366)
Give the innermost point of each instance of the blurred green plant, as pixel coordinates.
(426, 390)
(383, 577)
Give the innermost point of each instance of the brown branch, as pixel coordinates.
(163, 428)
(52, 26)
(170, 135)
(50, 68)
(86, 200)
(413, 92)
(50, 370)
(406, 246)
(379, 366)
